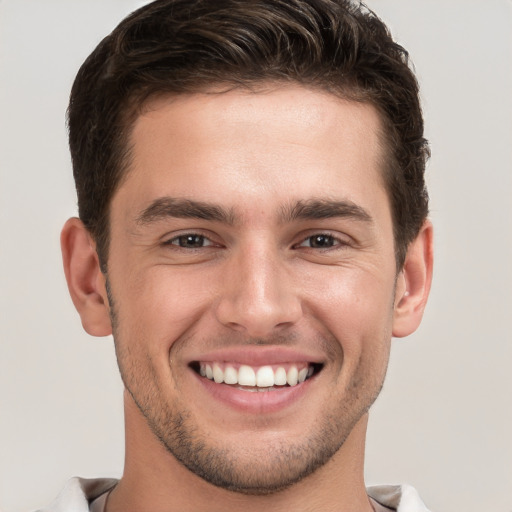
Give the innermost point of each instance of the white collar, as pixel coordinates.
(80, 492)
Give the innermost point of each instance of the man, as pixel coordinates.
(253, 231)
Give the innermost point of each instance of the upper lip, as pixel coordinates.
(258, 355)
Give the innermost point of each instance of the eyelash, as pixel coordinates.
(331, 240)
(175, 241)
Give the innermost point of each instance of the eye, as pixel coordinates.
(190, 241)
(320, 241)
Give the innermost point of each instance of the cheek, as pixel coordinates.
(356, 306)
(350, 293)
(159, 305)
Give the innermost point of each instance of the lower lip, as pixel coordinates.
(255, 402)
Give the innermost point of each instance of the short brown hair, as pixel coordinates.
(184, 46)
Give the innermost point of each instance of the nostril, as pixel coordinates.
(258, 310)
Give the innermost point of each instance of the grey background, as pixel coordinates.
(444, 420)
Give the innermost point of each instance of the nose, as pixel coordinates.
(259, 296)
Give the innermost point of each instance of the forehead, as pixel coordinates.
(264, 111)
(266, 146)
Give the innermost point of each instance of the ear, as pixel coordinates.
(413, 283)
(86, 282)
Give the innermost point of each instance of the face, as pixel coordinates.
(252, 279)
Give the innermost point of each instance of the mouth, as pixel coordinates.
(256, 378)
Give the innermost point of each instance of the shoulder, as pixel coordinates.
(402, 498)
(78, 493)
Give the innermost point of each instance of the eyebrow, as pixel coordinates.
(165, 207)
(314, 209)
(311, 209)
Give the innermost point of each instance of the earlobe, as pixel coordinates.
(86, 283)
(413, 285)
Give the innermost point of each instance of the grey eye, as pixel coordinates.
(190, 241)
(319, 242)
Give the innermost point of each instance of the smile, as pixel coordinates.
(262, 378)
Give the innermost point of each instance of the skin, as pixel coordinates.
(255, 280)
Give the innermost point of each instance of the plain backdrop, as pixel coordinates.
(444, 420)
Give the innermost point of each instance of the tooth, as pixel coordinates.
(218, 374)
(246, 376)
(280, 377)
(230, 375)
(265, 377)
(292, 376)
(253, 389)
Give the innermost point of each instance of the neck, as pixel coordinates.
(154, 480)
